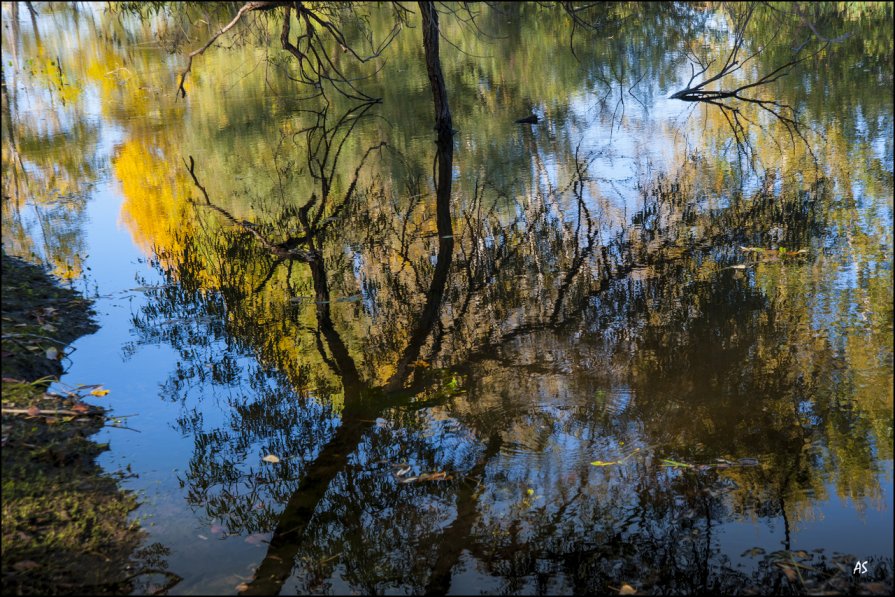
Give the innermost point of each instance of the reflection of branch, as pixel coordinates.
(247, 7)
(455, 538)
(722, 97)
(432, 307)
(276, 248)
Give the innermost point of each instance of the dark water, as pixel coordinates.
(654, 349)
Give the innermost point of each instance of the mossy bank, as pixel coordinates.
(65, 523)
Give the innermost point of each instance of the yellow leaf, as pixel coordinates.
(271, 458)
(99, 392)
(601, 463)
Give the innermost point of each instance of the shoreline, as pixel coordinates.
(66, 527)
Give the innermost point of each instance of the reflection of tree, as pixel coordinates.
(540, 300)
(654, 299)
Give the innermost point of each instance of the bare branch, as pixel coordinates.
(247, 7)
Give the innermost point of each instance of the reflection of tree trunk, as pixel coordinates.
(443, 122)
(277, 564)
(445, 160)
(455, 538)
(286, 541)
(442, 265)
(347, 369)
(284, 545)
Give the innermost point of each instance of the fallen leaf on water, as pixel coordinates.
(242, 587)
(255, 539)
(789, 572)
(669, 462)
(876, 588)
(203, 537)
(80, 407)
(530, 491)
(99, 392)
(271, 458)
(627, 590)
(436, 476)
(602, 463)
(33, 411)
(26, 565)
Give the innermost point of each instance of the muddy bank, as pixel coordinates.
(65, 523)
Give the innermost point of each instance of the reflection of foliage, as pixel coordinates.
(156, 206)
(667, 308)
(569, 328)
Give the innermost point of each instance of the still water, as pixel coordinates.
(655, 347)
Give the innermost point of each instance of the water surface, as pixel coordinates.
(648, 354)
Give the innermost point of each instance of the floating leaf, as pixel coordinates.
(26, 565)
(791, 574)
(81, 408)
(668, 462)
(271, 458)
(33, 411)
(530, 491)
(876, 588)
(601, 463)
(255, 539)
(627, 590)
(436, 476)
(203, 537)
(99, 392)
(242, 587)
